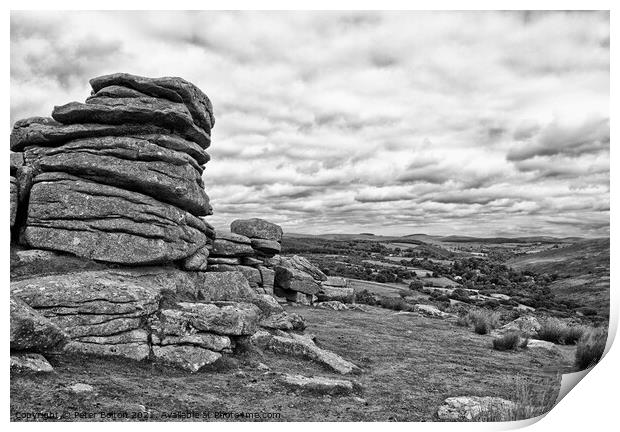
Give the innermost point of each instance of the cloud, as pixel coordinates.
(390, 122)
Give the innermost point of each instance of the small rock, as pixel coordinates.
(33, 362)
(318, 384)
(467, 408)
(81, 388)
(334, 305)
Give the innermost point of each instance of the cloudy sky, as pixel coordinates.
(479, 123)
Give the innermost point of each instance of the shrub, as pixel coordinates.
(416, 285)
(394, 303)
(557, 331)
(590, 348)
(462, 321)
(483, 320)
(365, 297)
(510, 341)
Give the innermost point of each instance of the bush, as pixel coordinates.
(483, 321)
(416, 285)
(590, 348)
(462, 321)
(510, 341)
(365, 297)
(394, 303)
(557, 331)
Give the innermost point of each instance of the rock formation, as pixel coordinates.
(110, 252)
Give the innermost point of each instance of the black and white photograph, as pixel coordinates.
(306, 216)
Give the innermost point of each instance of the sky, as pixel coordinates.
(468, 123)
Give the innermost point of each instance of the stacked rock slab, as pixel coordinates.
(248, 248)
(118, 178)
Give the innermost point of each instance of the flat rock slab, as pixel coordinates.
(134, 110)
(283, 321)
(235, 238)
(234, 319)
(335, 281)
(546, 346)
(257, 228)
(266, 247)
(31, 362)
(322, 385)
(468, 408)
(227, 248)
(45, 131)
(224, 286)
(300, 346)
(430, 311)
(340, 294)
(81, 388)
(301, 264)
(106, 223)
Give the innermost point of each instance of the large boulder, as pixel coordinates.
(171, 88)
(320, 385)
(299, 263)
(257, 229)
(106, 223)
(32, 331)
(331, 293)
(266, 247)
(526, 326)
(292, 279)
(188, 357)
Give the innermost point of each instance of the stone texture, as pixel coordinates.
(295, 280)
(267, 278)
(97, 303)
(333, 305)
(329, 293)
(284, 321)
(32, 331)
(526, 326)
(228, 248)
(267, 247)
(106, 223)
(544, 346)
(209, 341)
(17, 161)
(302, 346)
(14, 201)
(335, 281)
(267, 304)
(31, 362)
(250, 261)
(196, 262)
(224, 260)
(257, 228)
(468, 408)
(81, 388)
(298, 263)
(44, 131)
(430, 311)
(322, 385)
(191, 358)
(130, 163)
(235, 319)
(235, 238)
(251, 274)
(224, 286)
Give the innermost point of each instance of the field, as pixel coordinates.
(410, 363)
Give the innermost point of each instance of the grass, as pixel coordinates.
(531, 399)
(590, 348)
(509, 342)
(397, 304)
(557, 331)
(483, 320)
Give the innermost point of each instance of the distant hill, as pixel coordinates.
(579, 258)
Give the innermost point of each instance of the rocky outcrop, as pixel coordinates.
(31, 362)
(118, 179)
(525, 326)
